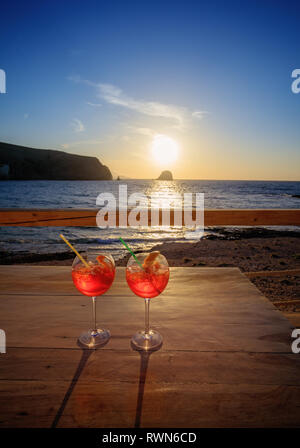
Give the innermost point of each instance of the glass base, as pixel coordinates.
(148, 342)
(94, 339)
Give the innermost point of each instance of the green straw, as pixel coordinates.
(123, 242)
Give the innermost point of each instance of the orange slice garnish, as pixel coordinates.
(101, 260)
(149, 260)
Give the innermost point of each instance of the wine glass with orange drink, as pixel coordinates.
(147, 275)
(93, 274)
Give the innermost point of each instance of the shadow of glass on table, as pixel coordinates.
(145, 355)
(86, 353)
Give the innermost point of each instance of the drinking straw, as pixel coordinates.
(123, 242)
(74, 250)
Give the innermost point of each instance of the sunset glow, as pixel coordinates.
(164, 150)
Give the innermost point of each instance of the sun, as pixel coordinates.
(164, 149)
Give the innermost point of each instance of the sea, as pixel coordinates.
(219, 194)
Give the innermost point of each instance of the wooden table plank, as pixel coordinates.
(109, 404)
(180, 367)
(184, 405)
(58, 323)
(216, 308)
(226, 358)
(30, 404)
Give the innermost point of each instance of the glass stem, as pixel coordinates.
(94, 315)
(147, 303)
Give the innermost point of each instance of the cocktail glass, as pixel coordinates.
(147, 275)
(94, 280)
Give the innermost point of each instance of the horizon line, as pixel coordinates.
(150, 178)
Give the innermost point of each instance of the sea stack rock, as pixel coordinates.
(165, 175)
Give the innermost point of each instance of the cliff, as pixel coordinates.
(165, 175)
(24, 163)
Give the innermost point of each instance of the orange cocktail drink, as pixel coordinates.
(147, 275)
(93, 275)
(96, 279)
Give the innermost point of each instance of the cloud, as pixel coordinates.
(26, 116)
(77, 125)
(112, 94)
(94, 104)
(79, 143)
(74, 78)
(143, 131)
(199, 114)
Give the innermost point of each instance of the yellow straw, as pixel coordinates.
(74, 250)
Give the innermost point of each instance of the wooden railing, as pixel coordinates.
(87, 218)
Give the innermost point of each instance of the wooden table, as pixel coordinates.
(226, 360)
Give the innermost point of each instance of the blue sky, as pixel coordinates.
(103, 78)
